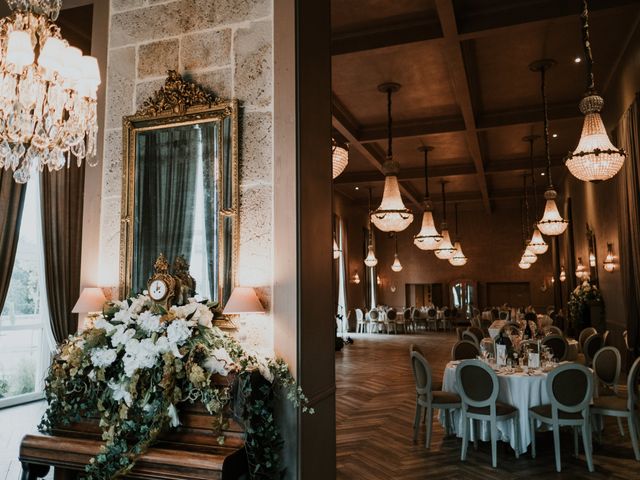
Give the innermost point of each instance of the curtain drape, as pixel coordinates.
(629, 139)
(210, 169)
(343, 299)
(61, 200)
(11, 206)
(165, 198)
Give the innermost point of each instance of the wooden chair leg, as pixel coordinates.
(494, 443)
(633, 433)
(429, 426)
(586, 441)
(465, 437)
(416, 422)
(532, 427)
(556, 446)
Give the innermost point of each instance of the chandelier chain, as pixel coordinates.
(545, 107)
(426, 175)
(586, 44)
(526, 204)
(533, 176)
(444, 203)
(455, 209)
(389, 125)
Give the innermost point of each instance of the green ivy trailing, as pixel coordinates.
(579, 300)
(139, 362)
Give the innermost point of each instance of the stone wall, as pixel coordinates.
(225, 46)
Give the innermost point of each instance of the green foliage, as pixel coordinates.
(138, 364)
(23, 296)
(579, 301)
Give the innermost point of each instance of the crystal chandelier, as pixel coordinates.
(428, 236)
(47, 93)
(551, 223)
(537, 244)
(370, 260)
(391, 215)
(340, 158)
(445, 249)
(528, 255)
(396, 266)
(595, 158)
(458, 259)
(524, 265)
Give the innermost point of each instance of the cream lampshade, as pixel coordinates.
(243, 300)
(91, 300)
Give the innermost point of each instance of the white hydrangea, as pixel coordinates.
(149, 322)
(139, 354)
(122, 316)
(104, 325)
(120, 391)
(121, 335)
(178, 331)
(219, 362)
(103, 357)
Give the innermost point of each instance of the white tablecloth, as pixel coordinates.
(520, 390)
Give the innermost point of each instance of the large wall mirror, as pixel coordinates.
(180, 190)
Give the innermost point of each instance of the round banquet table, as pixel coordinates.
(518, 389)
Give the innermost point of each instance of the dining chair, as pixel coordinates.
(405, 321)
(447, 319)
(504, 315)
(530, 345)
(510, 328)
(464, 350)
(471, 336)
(477, 331)
(374, 318)
(570, 389)
(530, 317)
(478, 387)
(591, 347)
(427, 398)
(622, 407)
(390, 320)
(495, 313)
(605, 338)
(432, 319)
(607, 364)
(361, 324)
(584, 334)
(625, 337)
(553, 330)
(558, 345)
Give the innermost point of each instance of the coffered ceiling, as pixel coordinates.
(466, 88)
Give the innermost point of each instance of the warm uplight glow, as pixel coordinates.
(396, 266)
(551, 223)
(445, 249)
(595, 158)
(577, 60)
(371, 260)
(391, 215)
(609, 261)
(458, 259)
(428, 237)
(537, 244)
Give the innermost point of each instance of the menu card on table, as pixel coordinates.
(501, 355)
(534, 360)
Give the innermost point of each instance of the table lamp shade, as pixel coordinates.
(91, 300)
(243, 300)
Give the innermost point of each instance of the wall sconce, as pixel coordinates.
(581, 270)
(563, 274)
(378, 280)
(592, 259)
(609, 261)
(356, 278)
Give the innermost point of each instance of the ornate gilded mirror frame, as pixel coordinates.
(178, 103)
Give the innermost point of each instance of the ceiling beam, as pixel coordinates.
(485, 22)
(391, 32)
(343, 122)
(462, 90)
(475, 197)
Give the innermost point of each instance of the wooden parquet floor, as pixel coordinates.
(375, 407)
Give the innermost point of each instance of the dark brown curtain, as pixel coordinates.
(629, 139)
(11, 206)
(61, 195)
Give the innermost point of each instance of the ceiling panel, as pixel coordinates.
(352, 14)
(449, 148)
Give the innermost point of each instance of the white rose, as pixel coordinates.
(120, 391)
(102, 357)
(122, 316)
(122, 335)
(101, 323)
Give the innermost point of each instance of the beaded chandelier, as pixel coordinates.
(445, 249)
(47, 93)
(396, 266)
(537, 244)
(428, 236)
(339, 157)
(458, 259)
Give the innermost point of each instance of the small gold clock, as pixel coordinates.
(161, 286)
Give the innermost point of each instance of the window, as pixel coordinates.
(25, 339)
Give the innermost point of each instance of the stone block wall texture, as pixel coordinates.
(226, 46)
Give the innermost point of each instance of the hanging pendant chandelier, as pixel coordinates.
(563, 274)
(581, 270)
(537, 244)
(396, 266)
(595, 158)
(458, 259)
(528, 255)
(339, 157)
(524, 265)
(47, 93)
(370, 260)
(551, 223)
(391, 215)
(445, 249)
(428, 236)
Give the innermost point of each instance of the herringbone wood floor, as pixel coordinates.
(375, 407)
